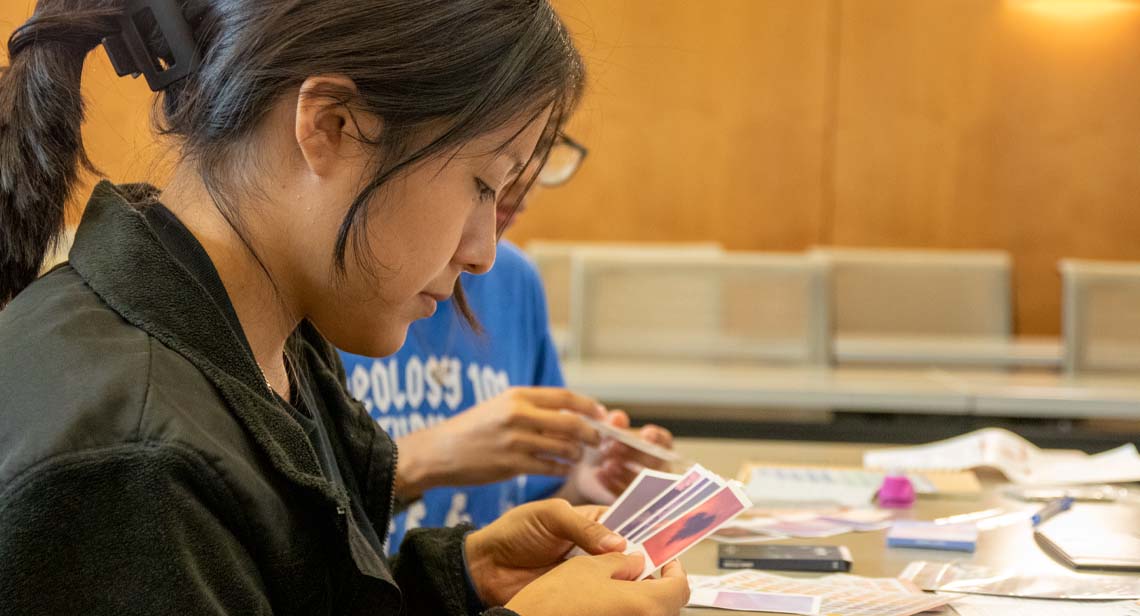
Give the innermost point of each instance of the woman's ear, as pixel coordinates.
(326, 128)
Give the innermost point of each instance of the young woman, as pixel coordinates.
(452, 393)
(176, 437)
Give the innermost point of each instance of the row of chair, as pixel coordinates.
(827, 306)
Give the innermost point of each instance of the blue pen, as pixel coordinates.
(1052, 508)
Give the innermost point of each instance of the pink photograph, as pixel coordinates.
(672, 540)
(746, 601)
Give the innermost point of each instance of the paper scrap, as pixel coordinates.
(1019, 460)
(801, 524)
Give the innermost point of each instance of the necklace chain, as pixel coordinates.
(272, 390)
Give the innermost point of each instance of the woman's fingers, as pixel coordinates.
(631, 457)
(593, 512)
(525, 464)
(557, 423)
(558, 399)
(672, 588)
(657, 435)
(610, 479)
(626, 567)
(564, 522)
(545, 446)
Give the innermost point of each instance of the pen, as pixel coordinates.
(1052, 508)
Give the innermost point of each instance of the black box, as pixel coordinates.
(785, 557)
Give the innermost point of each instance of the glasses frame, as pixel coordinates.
(565, 140)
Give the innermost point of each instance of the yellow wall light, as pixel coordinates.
(1077, 10)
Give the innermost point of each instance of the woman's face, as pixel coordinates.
(422, 229)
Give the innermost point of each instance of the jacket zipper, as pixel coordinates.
(391, 494)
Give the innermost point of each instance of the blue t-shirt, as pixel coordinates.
(445, 368)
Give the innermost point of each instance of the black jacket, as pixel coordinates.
(146, 467)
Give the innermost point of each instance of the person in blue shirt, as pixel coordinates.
(477, 415)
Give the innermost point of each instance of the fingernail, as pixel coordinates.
(601, 409)
(612, 542)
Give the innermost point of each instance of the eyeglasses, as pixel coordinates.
(562, 161)
(565, 156)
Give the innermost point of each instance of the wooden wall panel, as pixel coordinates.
(986, 124)
(778, 124)
(705, 121)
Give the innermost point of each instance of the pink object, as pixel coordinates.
(896, 492)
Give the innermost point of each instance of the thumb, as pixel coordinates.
(657, 435)
(672, 588)
(618, 419)
(625, 567)
(566, 523)
(593, 512)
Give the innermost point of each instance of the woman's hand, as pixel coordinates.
(517, 562)
(530, 540)
(602, 475)
(521, 431)
(604, 586)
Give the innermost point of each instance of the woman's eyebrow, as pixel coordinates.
(515, 170)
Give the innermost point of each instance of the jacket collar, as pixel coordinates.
(121, 258)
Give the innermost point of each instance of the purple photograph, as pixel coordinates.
(671, 495)
(644, 489)
(690, 499)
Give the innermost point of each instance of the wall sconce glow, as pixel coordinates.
(1075, 10)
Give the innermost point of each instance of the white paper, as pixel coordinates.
(808, 485)
(965, 577)
(747, 601)
(980, 605)
(702, 581)
(847, 595)
(1016, 458)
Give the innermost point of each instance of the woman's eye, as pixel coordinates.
(486, 193)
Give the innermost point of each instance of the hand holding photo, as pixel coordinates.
(630, 440)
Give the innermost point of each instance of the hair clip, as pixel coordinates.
(130, 54)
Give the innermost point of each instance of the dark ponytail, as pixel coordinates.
(41, 146)
(440, 72)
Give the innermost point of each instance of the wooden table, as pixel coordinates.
(1006, 546)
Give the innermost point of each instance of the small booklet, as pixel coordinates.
(1089, 548)
(1019, 460)
(961, 537)
(829, 558)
